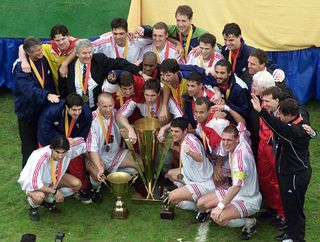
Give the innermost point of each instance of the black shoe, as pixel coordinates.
(201, 217)
(51, 206)
(84, 196)
(96, 197)
(33, 214)
(283, 236)
(248, 229)
(268, 214)
(280, 223)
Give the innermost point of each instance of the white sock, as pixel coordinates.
(238, 222)
(31, 203)
(66, 191)
(95, 184)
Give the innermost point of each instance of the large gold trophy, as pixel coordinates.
(147, 130)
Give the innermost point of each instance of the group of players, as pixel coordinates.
(76, 99)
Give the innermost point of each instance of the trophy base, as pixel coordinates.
(119, 213)
(167, 213)
(138, 198)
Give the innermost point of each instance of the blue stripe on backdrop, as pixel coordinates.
(302, 68)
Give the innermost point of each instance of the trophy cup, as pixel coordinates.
(166, 211)
(146, 130)
(119, 186)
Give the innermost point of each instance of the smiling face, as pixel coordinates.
(194, 89)
(119, 36)
(178, 134)
(183, 23)
(254, 66)
(201, 113)
(62, 41)
(270, 103)
(232, 42)
(85, 55)
(229, 141)
(206, 50)
(105, 106)
(149, 66)
(222, 75)
(36, 53)
(159, 37)
(58, 154)
(127, 91)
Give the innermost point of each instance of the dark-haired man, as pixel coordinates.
(44, 177)
(72, 118)
(32, 92)
(292, 161)
(196, 172)
(117, 44)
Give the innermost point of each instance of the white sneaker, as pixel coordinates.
(248, 229)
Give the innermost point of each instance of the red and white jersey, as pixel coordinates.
(211, 131)
(107, 46)
(243, 168)
(96, 140)
(204, 93)
(115, 91)
(198, 61)
(154, 109)
(198, 172)
(169, 51)
(37, 171)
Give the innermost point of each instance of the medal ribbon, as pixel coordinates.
(157, 108)
(68, 128)
(106, 134)
(125, 52)
(166, 53)
(41, 78)
(204, 140)
(233, 61)
(210, 62)
(83, 84)
(186, 48)
(298, 120)
(119, 92)
(55, 177)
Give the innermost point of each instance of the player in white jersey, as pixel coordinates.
(150, 108)
(233, 206)
(44, 176)
(161, 46)
(197, 170)
(103, 145)
(117, 44)
(208, 56)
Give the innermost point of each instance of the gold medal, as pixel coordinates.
(85, 98)
(180, 177)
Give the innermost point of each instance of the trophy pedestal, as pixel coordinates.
(153, 198)
(167, 213)
(119, 213)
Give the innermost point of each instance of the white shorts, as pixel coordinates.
(113, 162)
(246, 207)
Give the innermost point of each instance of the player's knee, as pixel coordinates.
(76, 184)
(38, 198)
(173, 198)
(201, 203)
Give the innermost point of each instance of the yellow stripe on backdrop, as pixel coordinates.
(273, 25)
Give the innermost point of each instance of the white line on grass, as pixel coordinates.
(202, 232)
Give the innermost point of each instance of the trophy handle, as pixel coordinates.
(105, 183)
(134, 178)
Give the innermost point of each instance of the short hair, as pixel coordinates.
(264, 79)
(29, 44)
(59, 29)
(231, 129)
(60, 142)
(208, 38)
(204, 100)
(152, 84)
(289, 106)
(225, 63)
(104, 95)
(119, 23)
(275, 91)
(81, 44)
(126, 79)
(150, 55)
(169, 65)
(161, 25)
(184, 10)
(195, 77)
(74, 99)
(180, 122)
(261, 55)
(231, 29)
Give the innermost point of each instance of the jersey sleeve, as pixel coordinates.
(174, 109)
(127, 108)
(238, 168)
(78, 148)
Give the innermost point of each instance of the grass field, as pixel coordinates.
(92, 222)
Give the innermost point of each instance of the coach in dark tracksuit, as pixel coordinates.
(292, 161)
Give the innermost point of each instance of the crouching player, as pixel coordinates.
(233, 206)
(197, 170)
(44, 178)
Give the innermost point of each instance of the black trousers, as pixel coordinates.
(28, 137)
(293, 189)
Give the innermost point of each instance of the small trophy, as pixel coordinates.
(166, 212)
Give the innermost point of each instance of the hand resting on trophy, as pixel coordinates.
(161, 135)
